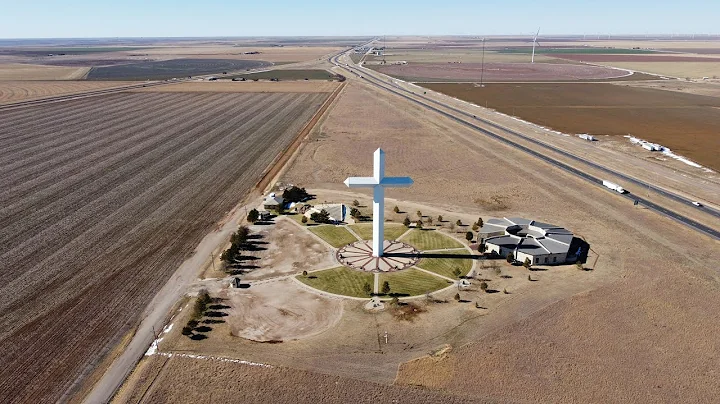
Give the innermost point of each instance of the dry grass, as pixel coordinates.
(180, 380)
(16, 72)
(672, 69)
(564, 307)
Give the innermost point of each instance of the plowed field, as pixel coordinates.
(12, 91)
(686, 123)
(102, 199)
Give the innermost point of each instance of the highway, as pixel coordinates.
(433, 105)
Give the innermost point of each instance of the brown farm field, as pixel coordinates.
(18, 71)
(13, 91)
(499, 72)
(686, 123)
(103, 198)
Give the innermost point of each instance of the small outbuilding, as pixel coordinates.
(272, 202)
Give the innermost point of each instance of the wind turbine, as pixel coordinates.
(532, 60)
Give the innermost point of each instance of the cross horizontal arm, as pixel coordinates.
(361, 182)
(396, 182)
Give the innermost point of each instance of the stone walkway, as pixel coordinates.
(396, 256)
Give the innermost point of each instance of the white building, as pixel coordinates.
(337, 211)
(541, 243)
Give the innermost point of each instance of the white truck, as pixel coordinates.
(615, 187)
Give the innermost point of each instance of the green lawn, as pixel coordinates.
(430, 240)
(340, 280)
(392, 231)
(446, 266)
(411, 282)
(336, 236)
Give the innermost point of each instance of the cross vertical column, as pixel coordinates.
(378, 221)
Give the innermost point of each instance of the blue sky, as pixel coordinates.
(133, 18)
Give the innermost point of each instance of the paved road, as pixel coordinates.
(373, 78)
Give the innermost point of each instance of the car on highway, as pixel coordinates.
(698, 204)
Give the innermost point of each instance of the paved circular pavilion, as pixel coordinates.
(396, 256)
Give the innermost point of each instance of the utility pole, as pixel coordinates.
(386, 337)
(482, 65)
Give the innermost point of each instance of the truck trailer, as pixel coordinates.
(615, 187)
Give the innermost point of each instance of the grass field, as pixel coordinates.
(578, 51)
(446, 266)
(412, 282)
(392, 232)
(430, 240)
(340, 280)
(336, 236)
(159, 70)
(673, 69)
(686, 123)
(310, 74)
(102, 200)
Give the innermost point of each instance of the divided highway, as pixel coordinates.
(372, 78)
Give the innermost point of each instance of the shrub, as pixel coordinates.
(253, 216)
(440, 219)
(529, 278)
(355, 213)
(418, 224)
(201, 303)
(385, 288)
(396, 209)
(304, 273)
(457, 272)
(506, 292)
(469, 236)
(475, 227)
(355, 203)
(367, 288)
(295, 194)
(187, 331)
(395, 301)
(419, 214)
(579, 265)
(510, 258)
(459, 222)
(320, 217)
(457, 297)
(526, 263)
(406, 222)
(304, 219)
(483, 286)
(429, 220)
(480, 222)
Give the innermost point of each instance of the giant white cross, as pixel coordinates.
(378, 182)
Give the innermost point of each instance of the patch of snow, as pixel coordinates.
(666, 151)
(214, 358)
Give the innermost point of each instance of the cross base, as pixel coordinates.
(396, 256)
